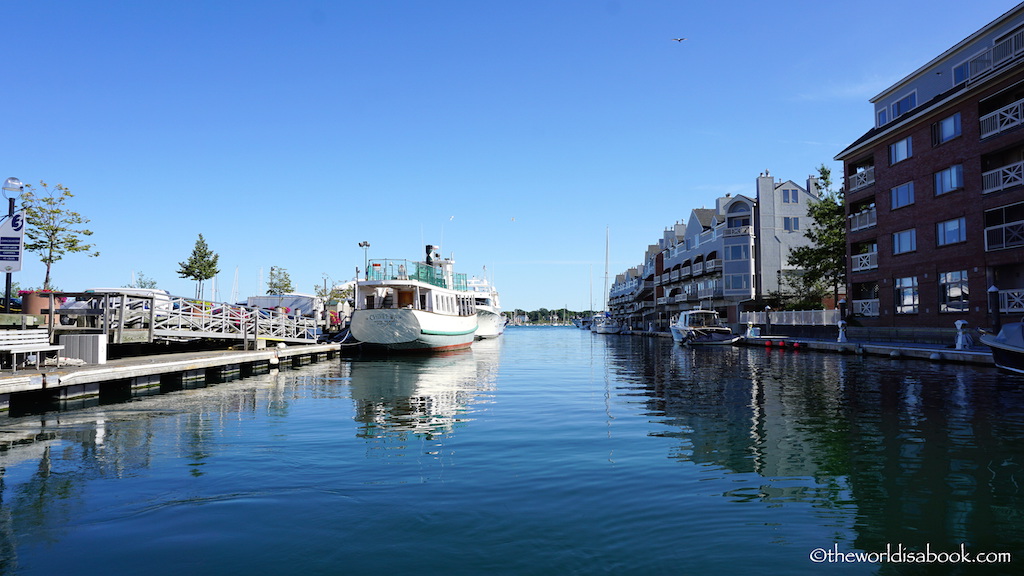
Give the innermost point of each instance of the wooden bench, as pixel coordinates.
(15, 342)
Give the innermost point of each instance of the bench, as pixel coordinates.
(15, 342)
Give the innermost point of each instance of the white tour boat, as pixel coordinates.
(701, 327)
(414, 306)
(491, 322)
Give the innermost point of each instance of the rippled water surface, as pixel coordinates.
(550, 451)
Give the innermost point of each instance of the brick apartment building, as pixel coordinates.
(935, 190)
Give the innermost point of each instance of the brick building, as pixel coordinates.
(935, 190)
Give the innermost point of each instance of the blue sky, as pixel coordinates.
(513, 133)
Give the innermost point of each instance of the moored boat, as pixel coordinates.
(1007, 346)
(605, 325)
(405, 305)
(490, 321)
(699, 327)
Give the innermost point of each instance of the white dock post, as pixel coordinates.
(842, 332)
(961, 334)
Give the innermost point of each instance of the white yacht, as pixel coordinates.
(490, 321)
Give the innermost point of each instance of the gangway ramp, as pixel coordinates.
(144, 318)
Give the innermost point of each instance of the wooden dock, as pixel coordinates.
(69, 386)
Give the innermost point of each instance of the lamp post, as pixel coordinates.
(365, 246)
(10, 185)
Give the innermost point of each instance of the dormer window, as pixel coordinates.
(904, 105)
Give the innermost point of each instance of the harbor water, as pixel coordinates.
(547, 451)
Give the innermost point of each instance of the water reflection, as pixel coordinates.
(426, 396)
(915, 452)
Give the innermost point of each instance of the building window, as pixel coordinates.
(904, 105)
(906, 295)
(905, 241)
(951, 231)
(961, 73)
(737, 252)
(903, 195)
(901, 150)
(953, 292)
(946, 129)
(883, 117)
(790, 196)
(950, 179)
(737, 282)
(791, 224)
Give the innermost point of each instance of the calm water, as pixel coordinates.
(552, 451)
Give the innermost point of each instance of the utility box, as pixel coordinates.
(92, 348)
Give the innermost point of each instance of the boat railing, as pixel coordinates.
(408, 270)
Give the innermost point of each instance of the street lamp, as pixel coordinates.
(365, 246)
(12, 184)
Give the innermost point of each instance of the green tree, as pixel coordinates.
(142, 282)
(279, 282)
(823, 262)
(200, 266)
(53, 229)
(330, 292)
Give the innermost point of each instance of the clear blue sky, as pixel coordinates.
(511, 132)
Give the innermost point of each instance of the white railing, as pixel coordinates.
(1011, 301)
(861, 179)
(995, 57)
(1004, 236)
(1003, 119)
(1002, 178)
(865, 307)
(685, 272)
(793, 317)
(863, 219)
(867, 261)
(698, 269)
(738, 231)
(713, 265)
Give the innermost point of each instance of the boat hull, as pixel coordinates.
(1007, 348)
(693, 337)
(490, 324)
(413, 330)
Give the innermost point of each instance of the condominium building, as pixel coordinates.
(724, 258)
(935, 189)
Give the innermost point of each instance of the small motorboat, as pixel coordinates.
(699, 327)
(1007, 346)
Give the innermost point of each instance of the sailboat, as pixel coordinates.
(604, 323)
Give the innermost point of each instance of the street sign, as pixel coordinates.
(12, 242)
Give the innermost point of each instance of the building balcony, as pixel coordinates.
(710, 292)
(739, 231)
(863, 219)
(992, 59)
(866, 261)
(698, 269)
(1009, 235)
(1011, 301)
(865, 307)
(1002, 178)
(685, 272)
(1001, 120)
(713, 266)
(860, 179)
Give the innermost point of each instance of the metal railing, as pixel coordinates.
(132, 318)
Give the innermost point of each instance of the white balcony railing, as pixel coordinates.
(714, 265)
(1003, 119)
(866, 261)
(698, 268)
(1004, 236)
(1011, 301)
(738, 231)
(685, 272)
(863, 219)
(1002, 53)
(1002, 178)
(865, 307)
(861, 179)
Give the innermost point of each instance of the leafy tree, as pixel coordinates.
(142, 282)
(330, 292)
(200, 266)
(823, 262)
(53, 229)
(280, 282)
